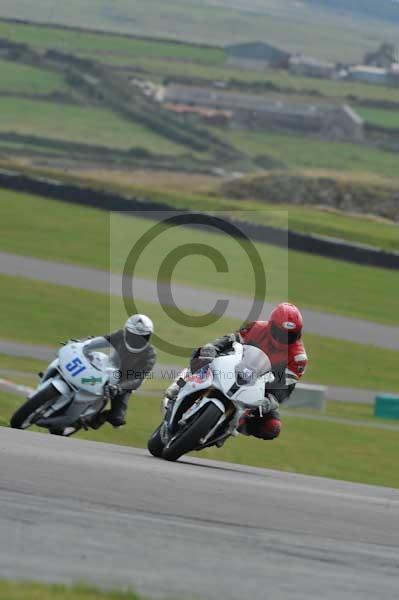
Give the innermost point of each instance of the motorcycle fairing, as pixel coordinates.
(195, 382)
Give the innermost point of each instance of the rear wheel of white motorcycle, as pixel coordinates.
(155, 444)
(25, 416)
(190, 438)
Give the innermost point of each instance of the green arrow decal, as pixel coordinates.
(91, 380)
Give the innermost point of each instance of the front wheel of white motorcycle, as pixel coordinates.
(155, 444)
(26, 414)
(190, 437)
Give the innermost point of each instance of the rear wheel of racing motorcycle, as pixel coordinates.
(190, 438)
(155, 444)
(23, 417)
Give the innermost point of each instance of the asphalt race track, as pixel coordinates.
(73, 510)
(195, 299)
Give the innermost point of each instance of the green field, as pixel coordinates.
(79, 124)
(384, 118)
(23, 79)
(308, 153)
(35, 312)
(10, 590)
(81, 235)
(98, 46)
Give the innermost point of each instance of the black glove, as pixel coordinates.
(111, 390)
(208, 351)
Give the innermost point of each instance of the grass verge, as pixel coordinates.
(324, 449)
(11, 590)
(19, 363)
(28, 368)
(46, 228)
(35, 312)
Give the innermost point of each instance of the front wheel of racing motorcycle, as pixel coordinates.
(155, 444)
(24, 417)
(190, 437)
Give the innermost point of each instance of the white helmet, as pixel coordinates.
(137, 332)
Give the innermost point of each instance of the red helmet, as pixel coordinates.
(286, 324)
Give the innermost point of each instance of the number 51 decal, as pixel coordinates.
(75, 367)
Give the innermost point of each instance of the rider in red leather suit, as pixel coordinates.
(279, 338)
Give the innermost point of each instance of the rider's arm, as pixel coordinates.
(283, 386)
(286, 379)
(98, 342)
(221, 344)
(138, 375)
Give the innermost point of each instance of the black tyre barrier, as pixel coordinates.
(107, 200)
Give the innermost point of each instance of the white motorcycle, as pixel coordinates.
(71, 391)
(211, 402)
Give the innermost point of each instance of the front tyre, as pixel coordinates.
(26, 415)
(190, 437)
(155, 444)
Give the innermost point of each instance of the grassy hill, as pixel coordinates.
(342, 193)
(62, 105)
(312, 29)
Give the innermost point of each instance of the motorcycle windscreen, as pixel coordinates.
(254, 364)
(104, 357)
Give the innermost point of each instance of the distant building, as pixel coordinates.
(256, 55)
(212, 116)
(255, 111)
(310, 67)
(383, 58)
(393, 74)
(366, 74)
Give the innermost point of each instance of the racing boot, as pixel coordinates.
(117, 413)
(56, 430)
(170, 396)
(172, 391)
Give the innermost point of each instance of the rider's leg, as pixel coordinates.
(118, 409)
